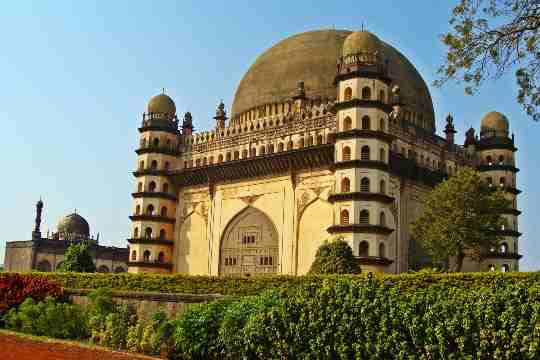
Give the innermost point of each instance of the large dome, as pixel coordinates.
(312, 57)
(73, 224)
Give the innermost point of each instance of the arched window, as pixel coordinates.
(364, 184)
(502, 182)
(156, 142)
(143, 143)
(344, 218)
(505, 268)
(153, 165)
(345, 185)
(504, 248)
(244, 154)
(148, 232)
(382, 125)
(501, 160)
(382, 155)
(363, 249)
(164, 211)
(489, 160)
(347, 96)
(366, 123)
(262, 150)
(165, 187)
(280, 147)
(382, 187)
(381, 96)
(150, 210)
(167, 164)
(491, 267)
(346, 153)
(146, 255)
(137, 209)
(161, 257)
(319, 139)
(364, 217)
(141, 165)
(489, 181)
(140, 187)
(136, 233)
(152, 186)
(220, 158)
(366, 93)
(228, 156)
(347, 124)
(133, 255)
(211, 160)
(382, 219)
(290, 145)
(364, 153)
(271, 148)
(162, 234)
(382, 250)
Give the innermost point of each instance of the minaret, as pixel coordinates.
(362, 148)
(36, 234)
(497, 164)
(221, 116)
(154, 208)
(450, 131)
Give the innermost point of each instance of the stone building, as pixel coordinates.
(46, 253)
(331, 133)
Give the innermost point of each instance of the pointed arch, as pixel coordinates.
(192, 251)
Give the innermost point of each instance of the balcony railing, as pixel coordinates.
(360, 229)
(154, 194)
(151, 241)
(160, 149)
(157, 218)
(151, 264)
(365, 196)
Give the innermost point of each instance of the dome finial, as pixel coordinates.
(163, 91)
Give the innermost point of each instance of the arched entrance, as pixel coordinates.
(249, 245)
(44, 265)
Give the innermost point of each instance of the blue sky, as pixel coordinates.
(75, 78)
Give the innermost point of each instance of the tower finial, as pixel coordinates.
(163, 90)
(36, 234)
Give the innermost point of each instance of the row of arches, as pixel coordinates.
(364, 185)
(364, 125)
(500, 161)
(365, 154)
(148, 257)
(154, 165)
(365, 94)
(363, 249)
(504, 267)
(502, 181)
(46, 266)
(364, 217)
(148, 233)
(155, 142)
(152, 187)
(256, 151)
(151, 211)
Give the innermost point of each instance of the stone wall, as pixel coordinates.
(147, 303)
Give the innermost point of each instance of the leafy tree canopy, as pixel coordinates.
(460, 218)
(334, 257)
(490, 38)
(77, 258)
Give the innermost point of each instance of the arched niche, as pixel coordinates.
(314, 221)
(249, 245)
(44, 265)
(192, 247)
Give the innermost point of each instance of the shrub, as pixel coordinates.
(48, 318)
(15, 288)
(335, 257)
(77, 258)
(151, 336)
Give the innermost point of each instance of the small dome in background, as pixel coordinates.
(73, 224)
(494, 123)
(161, 104)
(361, 41)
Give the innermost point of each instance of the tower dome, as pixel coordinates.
(495, 124)
(361, 41)
(73, 224)
(161, 104)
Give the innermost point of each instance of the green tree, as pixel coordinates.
(490, 38)
(334, 257)
(461, 217)
(77, 258)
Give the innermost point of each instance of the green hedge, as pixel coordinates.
(347, 319)
(255, 285)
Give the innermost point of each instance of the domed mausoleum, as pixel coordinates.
(331, 133)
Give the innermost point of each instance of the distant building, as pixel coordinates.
(331, 133)
(47, 253)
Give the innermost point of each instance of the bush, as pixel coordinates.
(48, 318)
(15, 288)
(347, 319)
(77, 258)
(151, 336)
(335, 257)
